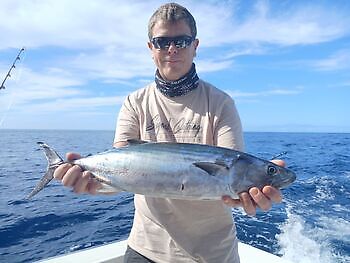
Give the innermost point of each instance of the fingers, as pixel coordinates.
(72, 156)
(248, 205)
(73, 176)
(61, 171)
(81, 184)
(86, 183)
(93, 186)
(244, 201)
(262, 201)
(279, 162)
(254, 198)
(273, 194)
(231, 202)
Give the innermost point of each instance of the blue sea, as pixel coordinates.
(311, 225)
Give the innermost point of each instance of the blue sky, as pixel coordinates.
(285, 63)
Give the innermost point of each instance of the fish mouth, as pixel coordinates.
(284, 179)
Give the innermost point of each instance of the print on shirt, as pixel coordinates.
(180, 130)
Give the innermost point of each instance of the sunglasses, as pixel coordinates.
(165, 42)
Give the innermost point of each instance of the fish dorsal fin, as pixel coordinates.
(211, 168)
(135, 142)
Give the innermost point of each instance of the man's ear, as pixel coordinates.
(195, 43)
(150, 47)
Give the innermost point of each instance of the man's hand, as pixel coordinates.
(73, 176)
(255, 197)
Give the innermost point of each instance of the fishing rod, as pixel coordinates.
(8, 75)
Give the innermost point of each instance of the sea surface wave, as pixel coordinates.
(312, 224)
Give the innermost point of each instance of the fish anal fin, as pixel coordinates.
(211, 168)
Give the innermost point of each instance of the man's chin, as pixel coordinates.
(173, 74)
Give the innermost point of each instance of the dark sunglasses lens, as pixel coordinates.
(165, 42)
(181, 43)
(160, 42)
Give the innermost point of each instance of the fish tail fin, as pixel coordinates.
(54, 160)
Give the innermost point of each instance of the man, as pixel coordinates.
(178, 107)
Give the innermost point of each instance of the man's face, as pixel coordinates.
(173, 62)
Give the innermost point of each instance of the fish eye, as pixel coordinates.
(271, 170)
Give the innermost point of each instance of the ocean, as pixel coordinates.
(312, 224)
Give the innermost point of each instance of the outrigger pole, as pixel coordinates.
(12, 67)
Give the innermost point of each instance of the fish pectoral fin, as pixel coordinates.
(211, 168)
(108, 189)
(106, 186)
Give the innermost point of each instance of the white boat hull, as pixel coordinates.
(114, 252)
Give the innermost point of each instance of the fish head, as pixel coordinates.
(283, 177)
(280, 176)
(251, 171)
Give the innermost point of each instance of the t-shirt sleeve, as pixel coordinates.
(228, 131)
(128, 126)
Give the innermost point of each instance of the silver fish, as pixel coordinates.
(175, 170)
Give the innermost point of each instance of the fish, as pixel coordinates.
(174, 170)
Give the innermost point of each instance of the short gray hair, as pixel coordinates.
(172, 13)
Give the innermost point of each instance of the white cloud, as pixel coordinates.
(207, 65)
(32, 89)
(245, 51)
(32, 86)
(95, 24)
(73, 24)
(114, 63)
(304, 24)
(338, 61)
(77, 49)
(271, 92)
(56, 91)
(76, 104)
(108, 38)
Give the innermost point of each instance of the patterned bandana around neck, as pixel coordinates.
(178, 87)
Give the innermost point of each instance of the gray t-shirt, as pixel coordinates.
(169, 230)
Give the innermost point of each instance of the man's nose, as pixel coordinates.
(172, 48)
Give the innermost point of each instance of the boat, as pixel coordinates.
(114, 252)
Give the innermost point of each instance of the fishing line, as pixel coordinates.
(9, 75)
(278, 155)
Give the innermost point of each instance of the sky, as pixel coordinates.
(285, 63)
